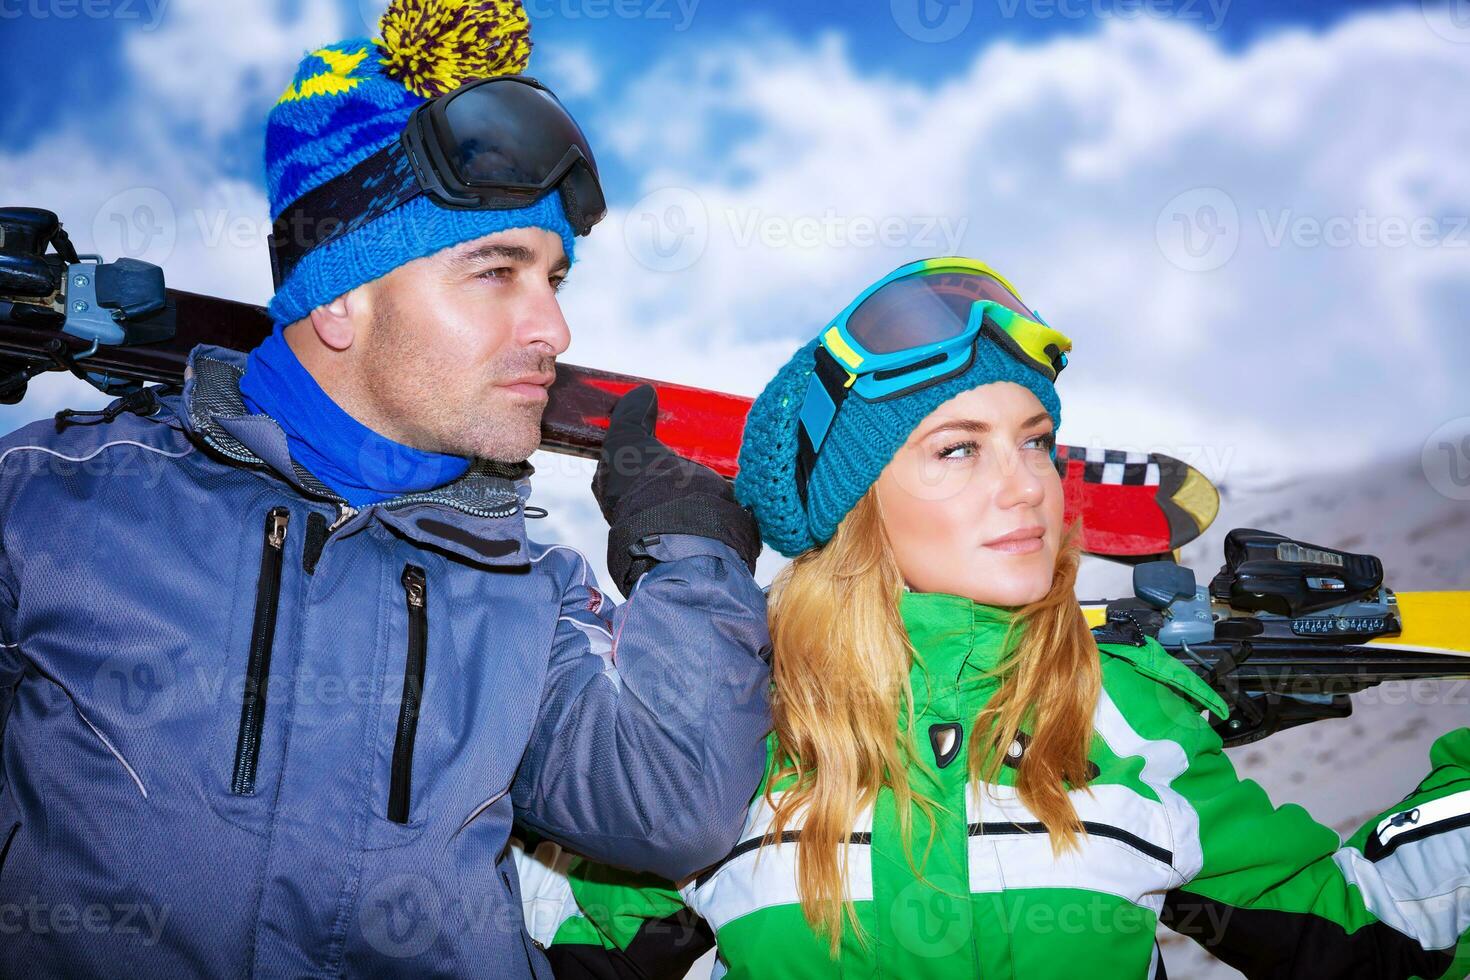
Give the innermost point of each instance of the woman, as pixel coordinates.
(963, 780)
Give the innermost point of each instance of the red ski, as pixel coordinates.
(1133, 505)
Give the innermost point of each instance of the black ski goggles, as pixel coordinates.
(493, 144)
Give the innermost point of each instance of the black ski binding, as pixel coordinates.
(1305, 590)
(106, 303)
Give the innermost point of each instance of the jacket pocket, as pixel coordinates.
(415, 599)
(257, 668)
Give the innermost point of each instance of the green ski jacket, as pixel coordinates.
(1173, 836)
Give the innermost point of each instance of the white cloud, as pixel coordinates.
(1056, 159)
(570, 71)
(212, 66)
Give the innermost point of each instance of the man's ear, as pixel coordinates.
(336, 323)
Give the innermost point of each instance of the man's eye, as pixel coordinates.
(499, 272)
(557, 282)
(953, 452)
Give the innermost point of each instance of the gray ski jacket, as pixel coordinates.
(248, 730)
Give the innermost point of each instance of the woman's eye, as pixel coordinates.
(959, 450)
(1044, 442)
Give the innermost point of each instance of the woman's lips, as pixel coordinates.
(1022, 546)
(1022, 541)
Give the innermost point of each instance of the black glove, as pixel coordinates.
(15, 374)
(646, 489)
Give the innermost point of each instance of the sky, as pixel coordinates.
(1250, 216)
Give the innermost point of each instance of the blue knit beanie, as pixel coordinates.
(351, 99)
(863, 438)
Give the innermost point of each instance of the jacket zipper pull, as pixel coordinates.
(401, 777)
(413, 586)
(1427, 819)
(344, 514)
(276, 537)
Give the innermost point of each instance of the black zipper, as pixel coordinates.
(5, 851)
(414, 596)
(257, 668)
(993, 828)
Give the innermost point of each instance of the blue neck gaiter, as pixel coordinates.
(350, 458)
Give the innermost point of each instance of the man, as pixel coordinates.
(280, 666)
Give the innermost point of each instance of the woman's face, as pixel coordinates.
(976, 471)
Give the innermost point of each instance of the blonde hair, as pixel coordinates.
(841, 660)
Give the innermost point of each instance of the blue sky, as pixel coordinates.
(1251, 218)
(68, 68)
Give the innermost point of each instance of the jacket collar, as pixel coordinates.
(478, 516)
(958, 643)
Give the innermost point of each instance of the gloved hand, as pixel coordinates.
(646, 489)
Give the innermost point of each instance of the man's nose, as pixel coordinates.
(543, 323)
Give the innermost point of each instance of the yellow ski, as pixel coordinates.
(1433, 622)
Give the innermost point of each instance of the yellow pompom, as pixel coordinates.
(435, 46)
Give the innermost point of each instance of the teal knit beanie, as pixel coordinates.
(352, 98)
(863, 438)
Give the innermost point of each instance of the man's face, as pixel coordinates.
(462, 344)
